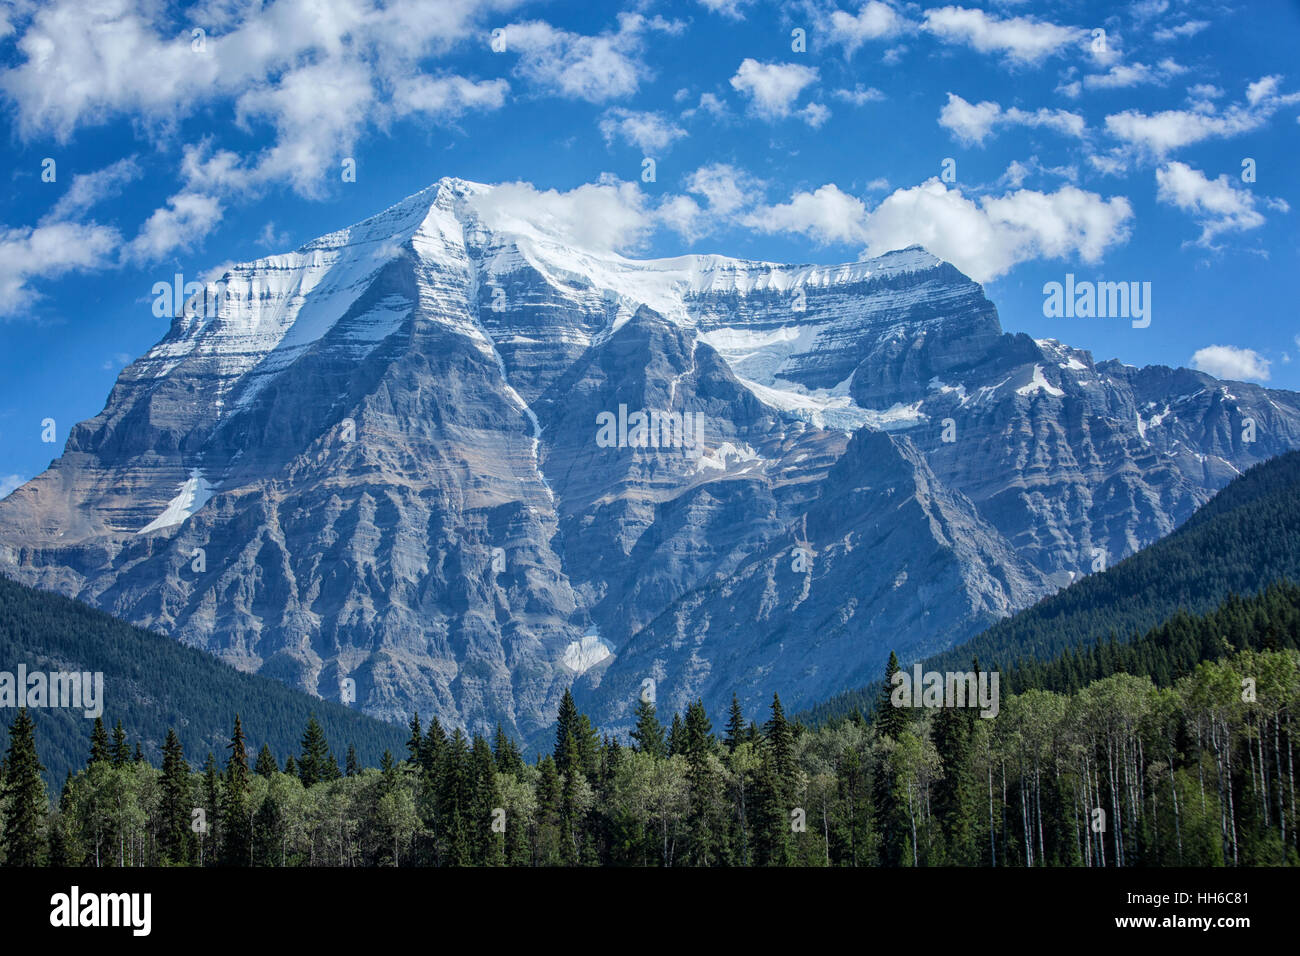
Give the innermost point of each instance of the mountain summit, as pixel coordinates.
(452, 459)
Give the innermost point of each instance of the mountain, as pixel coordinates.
(152, 683)
(410, 453)
(1234, 546)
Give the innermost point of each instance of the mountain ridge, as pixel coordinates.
(384, 445)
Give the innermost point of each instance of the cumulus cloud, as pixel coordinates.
(187, 217)
(329, 74)
(47, 251)
(1181, 31)
(1020, 40)
(596, 68)
(89, 189)
(859, 95)
(446, 97)
(1132, 74)
(825, 215)
(1163, 132)
(988, 238)
(873, 21)
(609, 216)
(1230, 362)
(649, 132)
(1216, 204)
(972, 123)
(772, 88)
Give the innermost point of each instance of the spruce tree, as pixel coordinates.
(120, 752)
(416, 740)
(236, 815)
(24, 792)
(353, 766)
(290, 766)
(676, 737)
(265, 765)
(508, 759)
(174, 834)
(99, 745)
(211, 807)
(649, 732)
(735, 725)
(890, 720)
(313, 765)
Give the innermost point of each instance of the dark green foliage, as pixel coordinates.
(24, 797)
(167, 685)
(1240, 541)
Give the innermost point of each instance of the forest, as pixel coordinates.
(1150, 754)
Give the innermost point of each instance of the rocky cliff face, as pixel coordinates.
(449, 457)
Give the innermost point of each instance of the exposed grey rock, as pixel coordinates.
(397, 426)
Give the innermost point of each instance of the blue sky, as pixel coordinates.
(1101, 140)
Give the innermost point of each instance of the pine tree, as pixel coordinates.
(265, 762)
(353, 766)
(416, 740)
(488, 847)
(120, 752)
(676, 737)
(212, 808)
(24, 792)
(454, 800)
(99, 746)
(890, 720)
(649, 732)
(236, 817)
(735, 725)
(313, 765)
(508, 759)
(435, 739)
(139, 754)
(174, 834)
(290, 766)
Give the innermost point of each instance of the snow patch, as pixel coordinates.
(194, 494)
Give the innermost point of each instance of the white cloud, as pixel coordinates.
(1183, 30)
(187, 217)
(732, 9)
(1217, 206)
(1163, 132)
(859, 95)
(609, 216)
(873, 21)
(772, 87)
(47, 251)
(987, 239)
(972, 123)
(1021, 40)
(649, 132)
(592, 68)
(90, 189)
(446, 97)
(825, 215)
(726, 189)
(1230, 362)
(1132, 74)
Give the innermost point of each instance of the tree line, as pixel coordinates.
(1121, 772)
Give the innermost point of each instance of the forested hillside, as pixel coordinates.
(1243, 539)
(152, 683)
(1191, 770)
